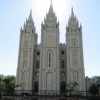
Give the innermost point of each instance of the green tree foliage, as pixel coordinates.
(7, 84)
(1, 83)
(94, 90)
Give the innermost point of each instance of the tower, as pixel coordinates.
(49, 58)
(75, 64)
(28, 40)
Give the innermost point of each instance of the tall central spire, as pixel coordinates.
(50, 16)
(51, 10)
(51, 6)
(51, 3)
(72, 12)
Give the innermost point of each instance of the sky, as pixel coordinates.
(13, 14)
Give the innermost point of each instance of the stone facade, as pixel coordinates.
(49, 67)
(49, 57)
(74, 49)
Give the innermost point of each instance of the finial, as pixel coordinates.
(81, 27)
(30, 13)
(51, 2)
(51, 7)
(21, 29)
(72, 11)
(30, 16)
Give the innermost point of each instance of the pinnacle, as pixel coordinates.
(51, 7)
(30, 15)
(51, 3)
(72, 12)
(51, 11)
(73, 19)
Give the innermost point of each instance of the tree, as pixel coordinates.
(1, 84)
(7, 84)
(72, 87)
(93, 90)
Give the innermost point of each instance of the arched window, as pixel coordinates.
(74, 43)
(49, 59)
(62, 52)
(62, 64)
(37, 64)
(38, 53)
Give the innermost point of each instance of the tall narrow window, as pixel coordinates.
(62, 64)
(49, 59)
(74, 43)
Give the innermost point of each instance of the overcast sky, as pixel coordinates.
(13, 14)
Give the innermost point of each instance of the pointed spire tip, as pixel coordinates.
(31, 12)
(72, 11)
(30, 15)
(51, 7)
(51, 3)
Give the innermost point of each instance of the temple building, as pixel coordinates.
(50, 67)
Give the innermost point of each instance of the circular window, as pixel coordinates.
(38, 53)
(62, 52)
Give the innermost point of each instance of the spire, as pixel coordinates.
(51, 3)
(50, 16)
(51, 11)
(73, 21)
(30, 16)
(72, 12)
(51, 7)
(29, 24)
